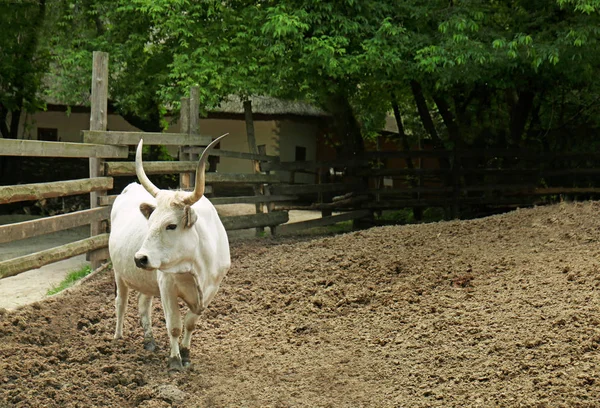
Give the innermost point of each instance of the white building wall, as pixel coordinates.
(279, 136)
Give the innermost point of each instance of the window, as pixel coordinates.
(47, 134)
(300, 153)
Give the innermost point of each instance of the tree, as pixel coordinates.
(494, 73)
(24, 58)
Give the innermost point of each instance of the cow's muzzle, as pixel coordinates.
(141, 261)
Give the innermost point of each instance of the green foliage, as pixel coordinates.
(70, 280)
(24, 58)
(491, 73)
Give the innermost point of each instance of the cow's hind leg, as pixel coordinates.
(120, 305)
(168, 297)
(145, 308)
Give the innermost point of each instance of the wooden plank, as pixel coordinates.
(444, 202)
(156, 167)
(571, 172)
(37, 148)
(251, 137)
(195, 111)
(299, 189)
(109, 200)
(312, 165)
(564, 190)
(42, 226)
(340, 205)
(402, 172)
(184, 127)
(233, 155)
(98, 122)
(441, 190)
(251, 199)
(133, 138)
(128, 169)
(39, 191)
(405, 154)
(241, 178)
(99, 98)
(255, 220)
(410, 190)
(489, 171)
(321, 222)
(15, 266)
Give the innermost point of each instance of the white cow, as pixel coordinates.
(170, 244)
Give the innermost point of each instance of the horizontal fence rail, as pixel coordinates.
(133, 138)
(39, 191)
(15, 266)
(42, 226)
(255, 220)
(233, 155)
(36, 148)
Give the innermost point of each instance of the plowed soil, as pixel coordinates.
(501, 311)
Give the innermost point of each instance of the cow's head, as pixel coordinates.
(171, 241)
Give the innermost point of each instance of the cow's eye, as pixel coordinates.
(172, 226)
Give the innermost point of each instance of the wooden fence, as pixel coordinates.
(102, 147)
(350, 189)
(459, 181)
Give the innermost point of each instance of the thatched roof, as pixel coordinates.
(234, 105)
(269, 106)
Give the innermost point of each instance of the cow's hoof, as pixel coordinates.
(175, 364)
(149, 345)
(185, 357)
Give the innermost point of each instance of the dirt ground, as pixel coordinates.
(501, 311)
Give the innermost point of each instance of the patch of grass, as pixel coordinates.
(70, 279)
(404, 216)
(334, 229)
(433, 214)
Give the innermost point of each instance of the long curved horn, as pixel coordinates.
(141, 174)
(200, 177)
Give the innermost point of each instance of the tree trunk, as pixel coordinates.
(417, 211)
(453, 133)
(427, 121)
(521, 104)
(345, 124)
(4, 132)
(424, 114)
(448, 118)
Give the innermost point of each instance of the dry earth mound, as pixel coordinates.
(501, 311)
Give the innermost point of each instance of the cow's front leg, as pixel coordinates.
(192, 295)
(145, 308)
(168, 296)
(189, 325)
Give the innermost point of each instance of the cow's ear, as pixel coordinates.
(147, 209)
(189, 216)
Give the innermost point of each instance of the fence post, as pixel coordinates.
(267, 190)
(194, 124)
(98, 121)
(184, 127)
(258, 190)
